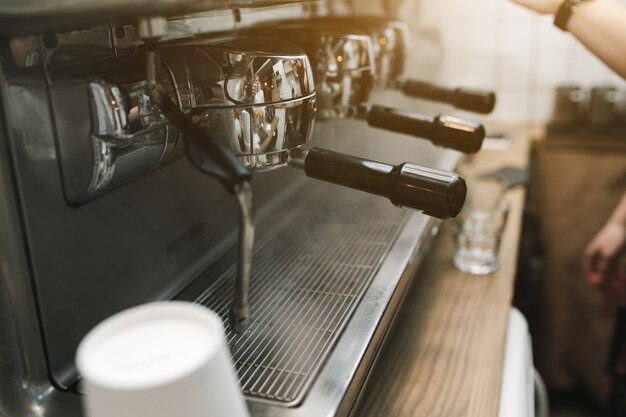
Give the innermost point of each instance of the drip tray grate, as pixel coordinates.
(309, 273)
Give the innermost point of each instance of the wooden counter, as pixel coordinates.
(444, 355)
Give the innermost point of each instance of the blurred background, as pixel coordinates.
(498, 45)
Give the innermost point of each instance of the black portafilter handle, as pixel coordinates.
(477, 101)
(443, 130)
(437, 193)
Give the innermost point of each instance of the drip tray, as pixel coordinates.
(310, 271)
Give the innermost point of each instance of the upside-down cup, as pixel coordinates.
(159, 360)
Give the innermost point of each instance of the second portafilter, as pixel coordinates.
(391, 44)
(344, 68)
(393, 40)
(260, 101)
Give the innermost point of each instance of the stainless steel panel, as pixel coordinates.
(99, 149)
(25, 389)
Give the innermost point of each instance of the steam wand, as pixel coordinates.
(214, 159)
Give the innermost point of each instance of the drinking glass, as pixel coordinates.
(478, 229)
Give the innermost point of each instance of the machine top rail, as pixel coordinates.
(30, 17)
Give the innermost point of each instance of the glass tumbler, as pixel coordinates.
(478, 229)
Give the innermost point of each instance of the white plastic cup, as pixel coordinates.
(166, 359)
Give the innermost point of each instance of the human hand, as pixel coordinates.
(602, 254)
(541, 6)
(603, 268)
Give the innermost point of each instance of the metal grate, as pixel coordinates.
(309, 273)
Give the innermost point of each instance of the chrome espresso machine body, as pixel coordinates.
(121, 143)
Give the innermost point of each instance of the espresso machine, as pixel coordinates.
(159, 150)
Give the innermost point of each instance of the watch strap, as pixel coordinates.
(565, 12)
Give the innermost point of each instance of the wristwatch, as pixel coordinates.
(565, 12)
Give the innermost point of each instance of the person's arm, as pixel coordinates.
(600, 25)
(607, 246)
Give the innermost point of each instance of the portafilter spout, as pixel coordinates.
(213, 158)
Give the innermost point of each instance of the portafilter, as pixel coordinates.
(258, 98)
(391, 44)
(344, 68)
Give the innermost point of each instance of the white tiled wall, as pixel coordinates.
(499, 45)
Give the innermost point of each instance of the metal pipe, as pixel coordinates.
(240, 318)
(153, 65)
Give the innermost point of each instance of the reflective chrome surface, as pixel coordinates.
(343, 63)
(129, 136)
(262, 103)
(391, 42)
(344, 71)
